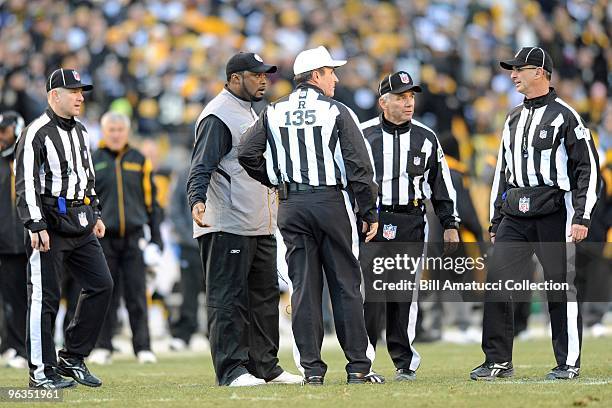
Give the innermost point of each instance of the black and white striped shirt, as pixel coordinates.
(545, 143)
(309, 138)
(52, 159)
(410, 165)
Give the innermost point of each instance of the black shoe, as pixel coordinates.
(52, 382)
(75, 367)
(563, 372)
(404, 374)
(361, 378)
(313, 380)
(489, 371)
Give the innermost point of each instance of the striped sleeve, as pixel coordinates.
(90, 190)
(358, 163)
(443, 194)
(499, 185)
(28, 160)
(583, 168)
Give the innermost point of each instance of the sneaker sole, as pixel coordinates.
(504, 374)
(65, 373)
(34, 387)
(554, 378)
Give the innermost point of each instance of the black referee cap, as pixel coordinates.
(248, 61)
(397, 83)
(529, 56)
(66, 78)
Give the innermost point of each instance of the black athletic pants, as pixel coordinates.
(320, 234)
(399, 318)
(85, 260)
(14, 289)
(127, 268)
(192, 283)
(242, 298)
(510, 261)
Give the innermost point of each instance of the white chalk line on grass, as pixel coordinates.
(568, 382)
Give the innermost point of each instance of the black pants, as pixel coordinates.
(242, 298)
(84, 258)
(320, 234)
(511, 261)
(14, 290)
(127, 268)
(399, 318)
(192, 283)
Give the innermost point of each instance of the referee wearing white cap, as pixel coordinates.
(310, 147)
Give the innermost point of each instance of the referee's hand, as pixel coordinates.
(197, 213)
(99, 229)
(40, 241)
(369, 230)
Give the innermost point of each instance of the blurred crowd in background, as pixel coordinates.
(161, 61)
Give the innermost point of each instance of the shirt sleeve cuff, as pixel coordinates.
(582, 221)
(36, 226)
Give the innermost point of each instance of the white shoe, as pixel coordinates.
(100, 356)
(8, 354)
(177, 344)
(287, 378)
(17, 362)
(598, 330)
(247, 380)
(146, 357)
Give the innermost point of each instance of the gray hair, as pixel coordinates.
(112, 116)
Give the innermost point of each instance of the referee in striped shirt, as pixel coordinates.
(310, 147)
(57, 203)
(544, 191)
(410, 167)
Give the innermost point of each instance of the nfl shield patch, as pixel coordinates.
(83, 219)
(524, 204)
(76, 75)
(543, 134)
(417, 161)
(404, 77)
(389, 231)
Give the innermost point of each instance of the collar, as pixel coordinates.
(311, 86)
(102, 145)
(246, 103)
(63, 123)
(540, 101)
(390, 127)
(8, 152)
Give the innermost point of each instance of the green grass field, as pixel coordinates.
(186, 379)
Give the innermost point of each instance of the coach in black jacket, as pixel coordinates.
(13, 260)
(124, 182)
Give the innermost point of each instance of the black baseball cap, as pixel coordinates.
(529, 56)
(66, 78)
(248, 61)
(397, 83)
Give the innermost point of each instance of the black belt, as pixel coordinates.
(307, 188)
(415, 207)
(52, 201)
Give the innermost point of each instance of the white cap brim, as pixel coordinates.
(314, 58)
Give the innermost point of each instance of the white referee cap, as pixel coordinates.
(314, 58)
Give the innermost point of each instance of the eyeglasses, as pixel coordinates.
(520, 69)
